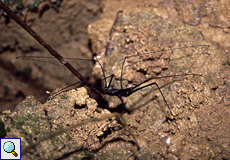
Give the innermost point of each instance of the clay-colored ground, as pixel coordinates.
(199, 127)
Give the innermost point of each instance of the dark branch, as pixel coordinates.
(44, 44)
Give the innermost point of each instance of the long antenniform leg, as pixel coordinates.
(134, 89)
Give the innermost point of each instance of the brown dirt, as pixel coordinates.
(199, 127)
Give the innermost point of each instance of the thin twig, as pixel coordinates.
(45, 44)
